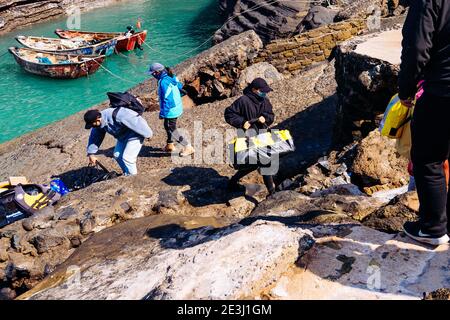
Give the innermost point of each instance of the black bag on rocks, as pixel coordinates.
(92, 174)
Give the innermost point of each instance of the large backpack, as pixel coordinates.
(124, 100)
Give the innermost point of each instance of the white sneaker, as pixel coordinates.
(412, 230)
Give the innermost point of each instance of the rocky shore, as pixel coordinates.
(277, 19)
(18, 13)
(173, 232)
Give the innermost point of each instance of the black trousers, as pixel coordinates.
(268, 180)
(430, 130)
(170, 125)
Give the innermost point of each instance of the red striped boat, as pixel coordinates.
(124, 43)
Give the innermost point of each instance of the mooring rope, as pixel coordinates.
(4, 54)
(114, 75)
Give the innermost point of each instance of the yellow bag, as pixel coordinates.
(395, 118)
(403, 144)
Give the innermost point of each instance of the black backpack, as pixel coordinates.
(124, 100)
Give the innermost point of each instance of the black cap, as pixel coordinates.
(90, 117)
(261, 84)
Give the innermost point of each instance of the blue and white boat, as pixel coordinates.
(104, 47)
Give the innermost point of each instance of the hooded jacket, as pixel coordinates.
(426, 48)
(169, 94)
(129, 125)
(250, 107)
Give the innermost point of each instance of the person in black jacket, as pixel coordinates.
(426, 55)
(252, 111)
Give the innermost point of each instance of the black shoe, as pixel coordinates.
(236, 187)
(412, 230)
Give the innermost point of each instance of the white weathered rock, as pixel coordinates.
(228, 263)
(259, 70)
(354, 262)
(241, 206)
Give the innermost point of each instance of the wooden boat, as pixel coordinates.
(123, 43)
(56, 65)
(70, 46)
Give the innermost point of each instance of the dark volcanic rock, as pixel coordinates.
(47, 240)
(269, 19)
(391, 217)
(316, 17)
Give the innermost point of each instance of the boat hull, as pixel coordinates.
(131, 43)
(123, 43)
(105, 48)
(61, 71)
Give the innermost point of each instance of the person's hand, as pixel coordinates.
(262, 120)
(92, 160)
(247, 125)
(408, 102)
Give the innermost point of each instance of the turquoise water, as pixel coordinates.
(176, 30)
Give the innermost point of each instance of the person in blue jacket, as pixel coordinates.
(171, 107)
(128, 127)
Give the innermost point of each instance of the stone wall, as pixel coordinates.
(301, 51)
(367, 79)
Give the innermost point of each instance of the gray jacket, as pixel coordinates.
(129, 125)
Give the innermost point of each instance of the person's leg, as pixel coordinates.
(176, 134)
(430, 148)
(234, 181)
(187, 147)
(270, 184)
(118, 154)
(130, 155)
(448, 207)
(169, 131)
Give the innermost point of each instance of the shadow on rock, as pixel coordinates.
(207, 186)
(313, 132)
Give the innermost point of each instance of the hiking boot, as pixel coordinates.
(187, 151)
(412, 230)
(170, 147)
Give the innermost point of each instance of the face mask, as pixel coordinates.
(157, 76)
(262, 94)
